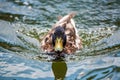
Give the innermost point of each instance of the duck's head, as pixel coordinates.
(59, 39)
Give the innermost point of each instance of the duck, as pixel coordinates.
(62, 37)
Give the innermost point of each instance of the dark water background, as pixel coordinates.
(23, 23)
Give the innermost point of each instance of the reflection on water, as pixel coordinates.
(59, 68)
(99, 68)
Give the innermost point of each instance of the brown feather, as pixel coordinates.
(73, 40)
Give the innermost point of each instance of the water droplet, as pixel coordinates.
(16, 18)
(26, 3)
(17, 0)
(29, 7)
(11, 16)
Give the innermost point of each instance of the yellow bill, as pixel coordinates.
(58, 44)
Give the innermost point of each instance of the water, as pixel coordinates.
(23, 23)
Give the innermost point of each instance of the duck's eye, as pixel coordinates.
(53, 39)
(64, 40)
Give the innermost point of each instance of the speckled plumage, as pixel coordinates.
(73, 42)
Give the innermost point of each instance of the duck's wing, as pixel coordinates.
(73, 40)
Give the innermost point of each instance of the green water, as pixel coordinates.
(23, 24)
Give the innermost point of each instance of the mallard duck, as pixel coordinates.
(63, 37)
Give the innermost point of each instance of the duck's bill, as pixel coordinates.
(58, 45)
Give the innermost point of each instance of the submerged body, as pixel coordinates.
(62, 37)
